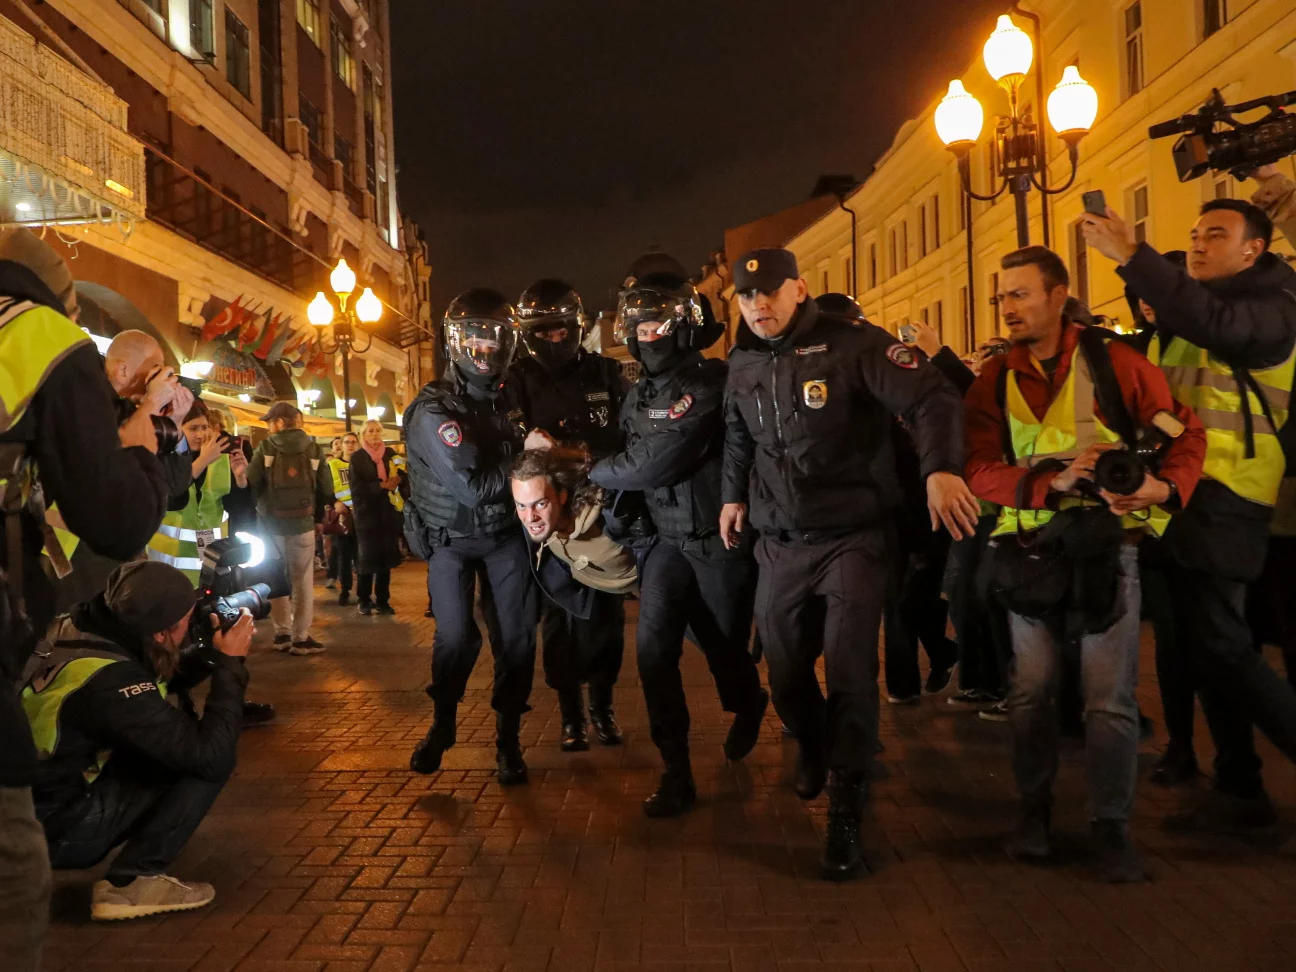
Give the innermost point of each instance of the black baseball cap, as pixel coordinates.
(281, 410)
(765, 270)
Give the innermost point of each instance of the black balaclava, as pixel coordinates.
(658, 356)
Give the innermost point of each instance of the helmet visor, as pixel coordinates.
(649, 315)
(484, 347)
(552, 339)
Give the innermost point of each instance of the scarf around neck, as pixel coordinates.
(377, 454)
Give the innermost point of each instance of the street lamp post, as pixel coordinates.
(366, 310)
(1072, 108)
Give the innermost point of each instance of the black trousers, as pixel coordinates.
(699, 587)
(1237, 688)
(342, 555)
(1271, 608)
(377, 585)
(579, 650)
(914, 612)
(149, 809)
(452, 574)
(981, 629)
(1174, 665)
(825, 598)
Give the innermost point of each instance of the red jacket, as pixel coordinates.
(1146, 393)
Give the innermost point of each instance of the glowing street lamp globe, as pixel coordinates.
(342, 279)
(1073, 105)
(1008, 53)
(959, 116)
(369, 308)
(319, 311)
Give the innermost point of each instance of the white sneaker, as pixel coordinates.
(154, 894)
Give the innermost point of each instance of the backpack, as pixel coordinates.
(290, 482)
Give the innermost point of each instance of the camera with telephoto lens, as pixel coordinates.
(1241, 146)
(223, 591)
(1121, 471)
(164, 428)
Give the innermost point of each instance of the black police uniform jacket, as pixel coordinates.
(581, 402)
(808, 424)
(460, 449)
(674, 429)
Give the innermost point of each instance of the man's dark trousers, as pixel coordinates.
(698, 586)
(839, 585)
(452, 574)
(1237, 688)
(915, 612)
(151, 810)
(578, 650)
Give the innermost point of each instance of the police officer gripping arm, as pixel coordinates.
(572, 395)
(462, 433)
(674, 441)
(808, 411)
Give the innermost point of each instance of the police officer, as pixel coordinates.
(808, 412)
(688, 580)
(572, 395)
(463, 431)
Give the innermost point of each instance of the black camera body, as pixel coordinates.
(1121, 471)
(224, 592)
(1241, 146)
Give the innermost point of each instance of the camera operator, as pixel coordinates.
(56, 415)
(98, 684)
(1226, 340)
(148, 387)
(1038, 421)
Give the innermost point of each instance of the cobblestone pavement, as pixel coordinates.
(329, 856)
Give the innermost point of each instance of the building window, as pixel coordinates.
(342, 152)
(895, 255)
(848, 275)
(994, 298)
(965, 320)
(1134, 76)
(202, 30)
(823, 281)
(308, 17)
(1139, 207)
(1080, 263)
(935, 218)
(872, 277)
(938, 309)
(904, 245)
(1222, 189)
(1214, 16)
(238, 54)
(313, 121)
(922, 230)
(340, 47)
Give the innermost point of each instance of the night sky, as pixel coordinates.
(564, 137)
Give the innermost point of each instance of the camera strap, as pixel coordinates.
(1107, 390)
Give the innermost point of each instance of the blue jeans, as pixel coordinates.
(1109, 675)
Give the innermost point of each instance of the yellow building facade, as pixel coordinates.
(1149, 61)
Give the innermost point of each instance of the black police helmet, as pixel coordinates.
(553, 321)
(840, 305)
(480, 330)
(667, 301)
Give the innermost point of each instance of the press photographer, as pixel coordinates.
(1226, 341)
(1063, 553)
(97, 685)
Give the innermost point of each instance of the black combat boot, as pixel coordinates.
(843, 856)
(571, 703)
(745, 729)
(426, 757)
(508, 750)
(605, 726)
(675, 794)
(1031, 841)
(811, 772)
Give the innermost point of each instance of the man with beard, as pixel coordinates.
(463, 432)
(674, 429)
(571, 395)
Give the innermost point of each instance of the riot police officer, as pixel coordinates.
(808, 412)
(688, 579)
(571, 395)
(463, 432)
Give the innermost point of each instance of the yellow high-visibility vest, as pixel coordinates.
(1207, 385)
(1068, 428)
(180, 540)
(34, 340)
(341, 471)
(397, 464)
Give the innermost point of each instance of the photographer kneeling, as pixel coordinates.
(1044, 426)
(96, 686)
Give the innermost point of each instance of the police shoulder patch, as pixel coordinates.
(681, 407)
(450, 433)
(902, 356)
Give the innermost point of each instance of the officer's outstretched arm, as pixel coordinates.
(672, 451)
(455, 459)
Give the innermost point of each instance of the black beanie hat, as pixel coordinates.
(149, 596)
